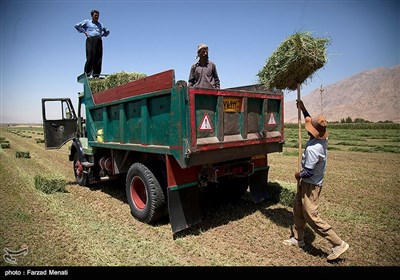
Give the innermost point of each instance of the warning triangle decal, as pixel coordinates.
(271, 119)
(205, 123)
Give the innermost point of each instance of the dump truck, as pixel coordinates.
(168, 142)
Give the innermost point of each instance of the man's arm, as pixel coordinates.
(305, 173)
(106, 32)
(216, 78)
(192, 79)
(80, 26)
(300, 105)
(310, 161)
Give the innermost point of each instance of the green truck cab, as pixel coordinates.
(168, 142)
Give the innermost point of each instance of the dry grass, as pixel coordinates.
(294, 61)
(93, 226)
(114, 80)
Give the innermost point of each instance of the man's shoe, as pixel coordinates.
(337, 251)
(294, 242)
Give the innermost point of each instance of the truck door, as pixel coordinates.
(59, 122)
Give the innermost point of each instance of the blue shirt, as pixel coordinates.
(92, 28)
(315, 157)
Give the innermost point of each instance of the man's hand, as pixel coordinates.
(300, 105)
(297, 176)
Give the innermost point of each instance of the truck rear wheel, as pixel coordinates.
(81, 177)
(144, 194)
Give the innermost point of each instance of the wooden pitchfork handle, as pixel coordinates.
(299, 132)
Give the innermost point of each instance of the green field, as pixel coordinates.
(356, 137)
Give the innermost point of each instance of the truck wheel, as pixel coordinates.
(158, 169)
(81, 178)
(144, 194)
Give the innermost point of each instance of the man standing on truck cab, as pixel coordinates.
(203, 74)
(93, 31)
(311, 177)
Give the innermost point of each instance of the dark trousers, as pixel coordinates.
(94, 56)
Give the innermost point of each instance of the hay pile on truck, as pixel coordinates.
(169, 141)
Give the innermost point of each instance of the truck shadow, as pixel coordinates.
(218, 210)
(114, 188)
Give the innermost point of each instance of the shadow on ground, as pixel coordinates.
(218, 210)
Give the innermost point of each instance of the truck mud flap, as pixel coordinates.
(184, 208)
(259, 185)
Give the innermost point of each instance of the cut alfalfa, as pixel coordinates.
(49, 183)
(22, 154)
(113, 80)
(282, 192)
(295, 60)
(39, 140)
(5, 145)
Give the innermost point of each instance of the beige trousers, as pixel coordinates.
(305, 210)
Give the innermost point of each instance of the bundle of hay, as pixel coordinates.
(296, 59)
(114, 80)
(5, 145)
(22, 154)
(50, 183)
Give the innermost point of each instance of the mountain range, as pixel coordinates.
(372, 95)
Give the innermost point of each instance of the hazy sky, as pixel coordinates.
(42, 54)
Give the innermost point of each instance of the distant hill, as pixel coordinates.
(373, 95)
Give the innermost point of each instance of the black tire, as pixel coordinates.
(81, 177)
(144, 194)
(158, 168)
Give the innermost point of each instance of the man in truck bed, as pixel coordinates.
(203, 74)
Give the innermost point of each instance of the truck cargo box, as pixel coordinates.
(186, 137)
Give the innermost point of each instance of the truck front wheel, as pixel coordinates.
(144, 194)
(81, 177)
